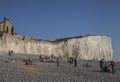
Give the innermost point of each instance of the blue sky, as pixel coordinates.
(51, 19)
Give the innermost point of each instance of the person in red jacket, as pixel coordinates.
(113, 64)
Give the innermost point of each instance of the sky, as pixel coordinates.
(53, 19)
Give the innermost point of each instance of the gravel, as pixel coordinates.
(49, 72)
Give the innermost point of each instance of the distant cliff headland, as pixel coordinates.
(84, 47)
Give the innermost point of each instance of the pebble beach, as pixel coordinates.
(49, 71)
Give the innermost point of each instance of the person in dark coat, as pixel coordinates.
(58, 60)
(102, 64)
(75, 62)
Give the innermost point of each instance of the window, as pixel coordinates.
(12, 30)
(7, 29)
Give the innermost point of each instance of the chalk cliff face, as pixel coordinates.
(84, 47)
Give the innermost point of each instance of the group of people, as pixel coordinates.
(28, 61)
(10, 58)
(43, 58)
(107, 66)
(72, 60)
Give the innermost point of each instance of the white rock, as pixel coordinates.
(86, 47)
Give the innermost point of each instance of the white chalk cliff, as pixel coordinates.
(84, 47)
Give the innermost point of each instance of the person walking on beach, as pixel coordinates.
(9, 53)
(70, 60)
(102, 64)
(113, 64)
(75, 62)
(10, 56)
(58, 61)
